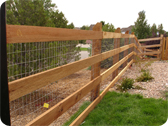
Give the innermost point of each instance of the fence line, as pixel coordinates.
(26, 34)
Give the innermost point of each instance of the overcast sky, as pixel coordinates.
(121, 13)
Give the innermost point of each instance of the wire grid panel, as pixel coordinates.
(25, 59)
(31, 58)
(74, 111)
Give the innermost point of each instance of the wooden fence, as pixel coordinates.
(149, 50)
(23, 86)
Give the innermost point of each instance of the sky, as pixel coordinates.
(121, 13)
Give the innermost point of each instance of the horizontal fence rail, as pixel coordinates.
(120, 54)
(149, 39)
(50, 115)
(28, 84)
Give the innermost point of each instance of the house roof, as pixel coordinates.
(127, 29)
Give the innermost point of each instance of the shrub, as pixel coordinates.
(127, 83)
(144, 77)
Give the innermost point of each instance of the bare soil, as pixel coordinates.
(27, 108)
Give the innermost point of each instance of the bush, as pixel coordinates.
(127, 83)
(144, 77)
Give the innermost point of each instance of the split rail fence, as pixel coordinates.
(21, 87)
(158, 51)
(125, 50)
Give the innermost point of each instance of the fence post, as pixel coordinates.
(132, 49)
(126, 51)
(161, 48)
(5, 113)
(95, 69)
(166, 55)
(116, 57)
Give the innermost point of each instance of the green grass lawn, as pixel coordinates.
(126, 109)
(83, 49)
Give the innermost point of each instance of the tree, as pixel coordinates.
(141, 28)
(154, 30)
(103, 23)
(160, 29)
(23, 57)
(108, 27)
(84, 27)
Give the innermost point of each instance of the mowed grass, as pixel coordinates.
(126, 109)
(83, 49)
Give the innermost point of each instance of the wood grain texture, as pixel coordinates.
(166, 48)
(150, 46)
(28, 84)
(106, 73)
(50, 115)
(150, 53)
(126, 51)
(163, 48)
(95, 69)
(53, 113)
(85, 113)
(116, 57)
(23, 34)
(116, 35)
(149, 39)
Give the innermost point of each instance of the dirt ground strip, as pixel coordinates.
(70, 84)
(153, 89)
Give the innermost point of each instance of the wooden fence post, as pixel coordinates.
(166, 55)
(132, 49)
(161, 49)
(5, 111)
(126, 51)
(95, 69)
(116, 57)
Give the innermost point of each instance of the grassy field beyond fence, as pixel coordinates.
(126, 109)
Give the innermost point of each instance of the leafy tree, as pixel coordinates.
(154, 29)
(108, 27)
(107, 44)
(84, 27)
(141, 28)
(103, 23)
(42, 56)
(160, 29)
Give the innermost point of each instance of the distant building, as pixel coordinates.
(91, 26)
(123, 30)
(88, 41)
(78, 28)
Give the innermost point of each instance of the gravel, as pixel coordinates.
(153, 88)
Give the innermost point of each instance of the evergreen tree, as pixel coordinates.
(160, 29)
(141, 28)
(154, 30)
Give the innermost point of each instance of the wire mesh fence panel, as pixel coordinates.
(26, 59)
(72, 113)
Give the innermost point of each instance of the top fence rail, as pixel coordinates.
(24, 34)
